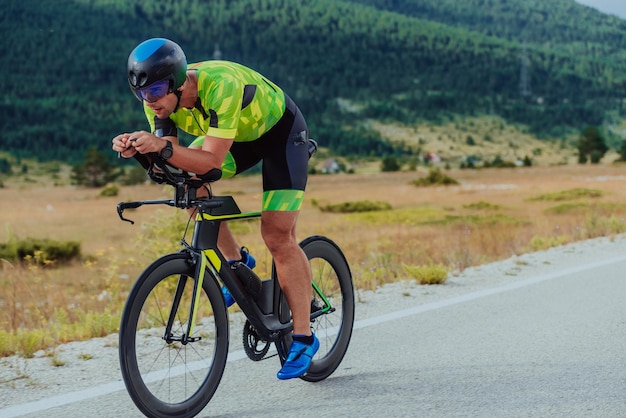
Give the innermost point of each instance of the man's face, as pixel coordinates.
(165, 106)
(158, 97)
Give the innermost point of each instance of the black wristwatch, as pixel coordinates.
(167, 151)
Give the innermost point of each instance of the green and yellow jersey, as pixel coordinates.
(234, 102)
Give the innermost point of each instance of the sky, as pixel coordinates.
(615, 7)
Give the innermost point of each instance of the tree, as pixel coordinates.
(622, 151)
(527, 161)
(5, 166)
(95, 171)
(389, 164)
(136, 175)
(591, 146)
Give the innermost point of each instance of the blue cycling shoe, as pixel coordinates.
(228, 298)
(299, 359)
(249, 261)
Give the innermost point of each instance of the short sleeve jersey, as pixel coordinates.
(234, 102)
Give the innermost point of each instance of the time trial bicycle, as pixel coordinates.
(174, 330)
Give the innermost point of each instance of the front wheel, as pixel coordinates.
(167, 372)
(332, 307)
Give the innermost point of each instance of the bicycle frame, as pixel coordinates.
(206, 256)
(204, 246)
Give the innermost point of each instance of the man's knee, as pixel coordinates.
(278, 238)
(279, 230)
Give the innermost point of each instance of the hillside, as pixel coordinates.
(562, 24)
(551, 68)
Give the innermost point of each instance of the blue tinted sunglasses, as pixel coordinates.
(153, 92)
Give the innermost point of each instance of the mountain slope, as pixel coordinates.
(64, 86)
(564, 24)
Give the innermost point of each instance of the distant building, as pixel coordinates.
(330, 166)
(432, 157)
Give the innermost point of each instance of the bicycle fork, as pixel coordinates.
(201, 262)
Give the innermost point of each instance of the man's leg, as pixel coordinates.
(227, 243)
(292, 266)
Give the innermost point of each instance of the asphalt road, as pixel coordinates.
(549, 345)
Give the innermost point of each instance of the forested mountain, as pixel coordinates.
(554, 66)
(562, 24)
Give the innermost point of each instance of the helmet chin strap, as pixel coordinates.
(178, 94)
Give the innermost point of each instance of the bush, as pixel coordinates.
(95, 171)
(498, 162)
(389, 164)
(358, 206)
(41, 251)
(570, 194)
(435, 177)
(5, 166)
(430, 274)
(136, 175)
(110, 190)
(482, 205)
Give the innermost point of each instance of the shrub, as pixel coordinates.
(136, 175)
(498, 162)
(358, 206)
(95, 171)
(570, 194)
(5, 166)
(482, 205)
(435, 177)
(41, 251)
(543, 243)
(110, 190)
(430, 274)
(389, 164)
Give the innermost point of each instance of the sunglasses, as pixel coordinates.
(153, 92)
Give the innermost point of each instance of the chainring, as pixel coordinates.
(255, 347)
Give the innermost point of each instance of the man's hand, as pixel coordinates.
(123, 144)
(144, 142)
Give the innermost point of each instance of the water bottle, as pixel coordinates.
(249, 279)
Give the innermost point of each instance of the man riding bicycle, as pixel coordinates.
(240, 118)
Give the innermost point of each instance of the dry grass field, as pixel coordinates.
(492, 214)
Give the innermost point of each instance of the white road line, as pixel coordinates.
(112, 387)
(482, 293)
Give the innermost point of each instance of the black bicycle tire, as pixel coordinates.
(318, 246)
(146, 402)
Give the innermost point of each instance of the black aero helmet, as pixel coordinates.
(153, 60)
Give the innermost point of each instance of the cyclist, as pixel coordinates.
(240, 118)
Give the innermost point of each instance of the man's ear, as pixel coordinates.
(181, 88)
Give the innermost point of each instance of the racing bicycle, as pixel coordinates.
(174, 330)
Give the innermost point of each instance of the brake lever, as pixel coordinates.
(127, 205)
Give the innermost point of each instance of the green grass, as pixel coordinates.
(429, 274)
(570, 194)
(408, 216)
(482, 205)
(356, 206)
(492, 219)
(543, 243)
